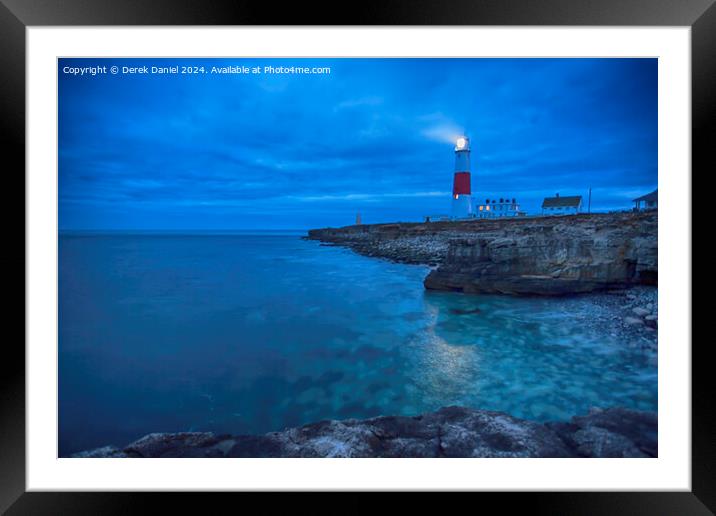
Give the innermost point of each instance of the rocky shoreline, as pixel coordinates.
(447, 432)
(519, 256)
(611, 257)
(631, 314)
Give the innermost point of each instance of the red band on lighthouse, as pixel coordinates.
(461, 184)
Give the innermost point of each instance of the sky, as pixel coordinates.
(375, 136)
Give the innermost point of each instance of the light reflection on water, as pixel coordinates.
(251, 333)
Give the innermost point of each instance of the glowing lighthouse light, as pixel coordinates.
(461, 187)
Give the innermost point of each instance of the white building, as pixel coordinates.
(649, 201)
(495, 208)
(562, 205)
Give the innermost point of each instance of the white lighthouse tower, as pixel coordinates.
(461, 186)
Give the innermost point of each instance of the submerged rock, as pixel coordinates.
(651, 321)
(448, 432)
(633, 321)
(461, 311)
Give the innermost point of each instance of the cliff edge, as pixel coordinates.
(521, 256)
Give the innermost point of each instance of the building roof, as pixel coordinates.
(648, 197)
(562, 202)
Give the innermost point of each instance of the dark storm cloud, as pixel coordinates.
(376, 135)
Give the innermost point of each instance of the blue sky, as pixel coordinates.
(280, 151)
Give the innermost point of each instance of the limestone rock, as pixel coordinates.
(519, 256)
(184, 444)
(103, 452)
(616, 432)
(448, 432)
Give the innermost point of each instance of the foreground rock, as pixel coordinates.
(448, 432)
(611, 433)
(522, 256)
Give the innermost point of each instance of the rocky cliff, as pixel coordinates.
(523, 256)
(448, 432)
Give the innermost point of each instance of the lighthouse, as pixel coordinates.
(461, 189)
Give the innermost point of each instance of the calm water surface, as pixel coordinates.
(249, 333)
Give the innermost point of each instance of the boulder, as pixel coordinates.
(633, 321)
(651, 321)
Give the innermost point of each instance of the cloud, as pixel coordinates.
(359, 102)
(368, 196)
(146, 151)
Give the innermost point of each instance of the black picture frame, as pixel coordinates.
(17, 15)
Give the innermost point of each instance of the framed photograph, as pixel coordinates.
(416, 250)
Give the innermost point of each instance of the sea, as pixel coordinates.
(251, 332)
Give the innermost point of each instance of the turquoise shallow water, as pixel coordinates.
(249, 333)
